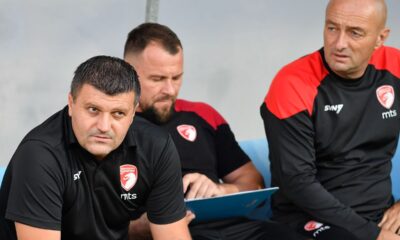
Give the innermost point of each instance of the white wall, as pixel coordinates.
(233, 48)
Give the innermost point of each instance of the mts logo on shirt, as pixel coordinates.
(334, 108)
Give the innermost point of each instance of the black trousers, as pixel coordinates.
(243, 229)
(323, 231)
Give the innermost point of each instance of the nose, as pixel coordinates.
(168, 87)
(341, 41)
(104, 123)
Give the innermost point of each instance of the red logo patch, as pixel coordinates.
(312, 225)
(188, 132)
(385, 96)
(128, 175)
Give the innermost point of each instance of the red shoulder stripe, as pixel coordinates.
(205, 111)
(294, 88)
(387, 58)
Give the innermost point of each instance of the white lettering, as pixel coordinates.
(389, 114)
(334, 108)
(128, 196)
(77, 175)
(321, 229)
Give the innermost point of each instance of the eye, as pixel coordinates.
(331, 28)
(157, 79)
(119, 114)
(356, 34)
(92, 110)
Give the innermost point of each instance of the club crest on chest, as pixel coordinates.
(128, 176)
(188, 132)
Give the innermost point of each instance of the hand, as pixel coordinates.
(189, 217)
(140, 228)
(200, 186)
(387, 235)
(391, 219)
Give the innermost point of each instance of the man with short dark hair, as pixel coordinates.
(332, 123)
(84, 172)
(206, 145)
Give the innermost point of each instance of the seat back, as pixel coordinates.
(2, 170)
(257, 150)
(395, 174)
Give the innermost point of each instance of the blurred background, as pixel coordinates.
(233, 49)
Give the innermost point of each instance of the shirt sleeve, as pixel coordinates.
(229, 154)
(35, 195)
(165, 203)
(292, 156)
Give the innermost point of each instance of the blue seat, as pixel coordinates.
(395, 174)
(2, 170)
(257, 150)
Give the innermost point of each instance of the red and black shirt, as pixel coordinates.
(204, 140)
(331, 141)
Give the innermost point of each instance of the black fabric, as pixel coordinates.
(215, 153)
(333, 164)
(53, 183)
(243, 229)
(325, 232)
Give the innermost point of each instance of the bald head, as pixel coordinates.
(353, 30)
(376, 8)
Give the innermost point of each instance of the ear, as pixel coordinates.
(70, 102)
(383, 35)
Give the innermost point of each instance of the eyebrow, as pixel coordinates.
(163, 76)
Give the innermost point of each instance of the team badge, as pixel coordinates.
(385, 96)
(188, 132)
(312, 225)
(128, 175)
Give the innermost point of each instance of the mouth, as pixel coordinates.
(101, 138)
(340, 57)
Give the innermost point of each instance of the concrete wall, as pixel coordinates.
(232, 51)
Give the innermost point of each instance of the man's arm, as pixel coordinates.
(172, 231)
(26, 232)
(292, 156)
(140, 229)
(246, 177)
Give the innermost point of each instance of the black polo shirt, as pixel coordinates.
(204, 140)
(53, 183)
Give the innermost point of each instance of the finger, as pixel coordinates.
(187, 179)
(190, 216)
(383, 221)
(395, 226)
(212, 190)
(194, 188)
(388, 223)
(204, 188)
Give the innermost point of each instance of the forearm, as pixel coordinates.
(245, 178)
(314, 199)
(139, 230)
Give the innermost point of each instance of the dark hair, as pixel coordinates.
(142, 35)
(110, 75)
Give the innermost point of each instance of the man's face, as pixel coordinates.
(99, 121)
(352, 32)
(160, 76)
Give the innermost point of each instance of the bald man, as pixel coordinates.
(332, 123)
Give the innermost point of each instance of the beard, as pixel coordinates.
(158, 116)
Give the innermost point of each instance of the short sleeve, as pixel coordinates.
(230, 155)
(165, 203)
(35, 191)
